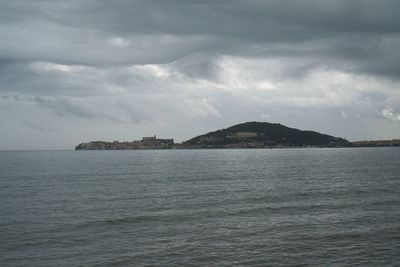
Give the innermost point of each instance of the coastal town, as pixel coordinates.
(146, 143)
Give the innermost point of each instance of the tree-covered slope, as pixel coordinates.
(264, 134)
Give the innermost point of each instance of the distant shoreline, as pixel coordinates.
(248, 135)
(358, 145)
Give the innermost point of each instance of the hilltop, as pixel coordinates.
(263, 134)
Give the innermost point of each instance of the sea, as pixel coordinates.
(226, 207)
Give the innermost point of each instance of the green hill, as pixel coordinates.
(263, 134)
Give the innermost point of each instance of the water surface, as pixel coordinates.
(276, 207)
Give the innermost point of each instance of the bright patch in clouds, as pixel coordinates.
(118, 42)
(44, 67)
(390, 114)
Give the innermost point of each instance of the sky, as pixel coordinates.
(76, 71)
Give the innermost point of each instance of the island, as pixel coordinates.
(244, 135)
(263, 135)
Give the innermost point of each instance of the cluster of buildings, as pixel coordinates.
(146, 143)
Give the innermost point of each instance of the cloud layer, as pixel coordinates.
(73, 71)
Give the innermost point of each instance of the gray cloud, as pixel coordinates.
(110, 32)
(38, 127)
(127, 68)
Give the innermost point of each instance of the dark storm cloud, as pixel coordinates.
(234, 17)
(81, 32)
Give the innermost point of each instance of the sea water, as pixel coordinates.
(266, 207)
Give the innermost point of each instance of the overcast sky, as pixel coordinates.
(74, 71)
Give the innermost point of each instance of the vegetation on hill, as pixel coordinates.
(264, 134)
